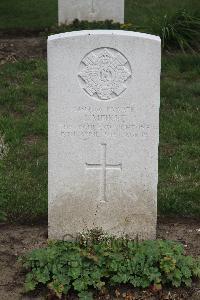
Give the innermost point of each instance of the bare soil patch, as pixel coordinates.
(13, 49)
(16, 240)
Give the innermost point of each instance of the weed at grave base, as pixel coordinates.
(92, 264)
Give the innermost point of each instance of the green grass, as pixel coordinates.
(23, 122)
(179, 163)
(141, 12)
(28, 14)
(39, 14)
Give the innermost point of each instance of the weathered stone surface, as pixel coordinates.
(104, 94)
(91, 10)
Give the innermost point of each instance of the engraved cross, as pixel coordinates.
(103, 167)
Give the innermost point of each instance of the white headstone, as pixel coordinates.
(91, 10)
(104, 95)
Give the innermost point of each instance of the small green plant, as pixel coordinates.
(88, 264)
(180, 30)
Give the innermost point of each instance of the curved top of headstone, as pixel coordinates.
(104, 32)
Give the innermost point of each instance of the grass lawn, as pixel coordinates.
(39, 14)
(141, 12)
(28, 14)
(179, 160)
(23, 122)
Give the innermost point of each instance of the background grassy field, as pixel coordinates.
(141, 12)
(27, 14)
(39, 14)
(23, 121)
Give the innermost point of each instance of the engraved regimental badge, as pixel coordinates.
(104, 73)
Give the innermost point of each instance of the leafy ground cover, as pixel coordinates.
(23, 127)
(99, 261)
(17, 240)
(40, 14)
